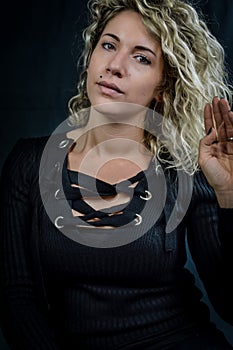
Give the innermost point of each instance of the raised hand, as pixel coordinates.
(216, 150)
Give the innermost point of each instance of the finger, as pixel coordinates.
(218, 118)
(208, 117)
(210, 138)
(217, 112)
(227, 116)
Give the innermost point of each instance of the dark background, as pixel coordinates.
(41, 42)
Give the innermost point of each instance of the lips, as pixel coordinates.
(110, 86)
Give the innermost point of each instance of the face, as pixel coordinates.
(126, 65)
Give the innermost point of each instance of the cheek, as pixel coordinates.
(88, 82)
(91, 74)
(146, 91)
(94, 63)
(93, 71)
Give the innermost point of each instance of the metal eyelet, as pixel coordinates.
(63, 143)
(70, 123)
(56, 193)
(158, 169)
(58, 166)
(56, 222)
(138, 219)
(148, 196)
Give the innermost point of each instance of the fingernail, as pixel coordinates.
(209, 131)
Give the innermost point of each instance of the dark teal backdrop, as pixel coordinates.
(41, 41)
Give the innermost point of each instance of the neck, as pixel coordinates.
(106, 144)
(116, 139)
(116, 133)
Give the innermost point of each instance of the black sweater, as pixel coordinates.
(59, 293)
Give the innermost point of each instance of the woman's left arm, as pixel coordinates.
(210, 223)
(210, 242)
(216, 161)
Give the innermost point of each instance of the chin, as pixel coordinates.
(120, 111)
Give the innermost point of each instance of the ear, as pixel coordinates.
(159, 97)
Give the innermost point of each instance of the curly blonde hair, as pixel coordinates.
(194, 72)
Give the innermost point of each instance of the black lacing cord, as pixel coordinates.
(114, 216)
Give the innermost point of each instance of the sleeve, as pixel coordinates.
(226, 232)
(209, 234)
(25, 324)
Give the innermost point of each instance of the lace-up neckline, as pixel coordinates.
(79, 186)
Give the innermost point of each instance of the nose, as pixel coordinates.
(117, 65)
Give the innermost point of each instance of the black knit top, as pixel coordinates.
(75, 289)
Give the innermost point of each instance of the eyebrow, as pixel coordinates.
(138, 47)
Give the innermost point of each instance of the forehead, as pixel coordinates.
(129, 25)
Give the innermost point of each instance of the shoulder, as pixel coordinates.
(23, 158)
(30, 150)
(26, 149)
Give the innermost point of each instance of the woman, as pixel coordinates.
(94, 218)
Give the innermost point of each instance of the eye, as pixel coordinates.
(143, 59)
(108, 46)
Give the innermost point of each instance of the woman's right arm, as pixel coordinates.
(25, 324)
